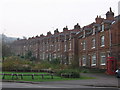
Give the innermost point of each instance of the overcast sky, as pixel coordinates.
(29, 18)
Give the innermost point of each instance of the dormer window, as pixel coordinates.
(93, 31)
(113, 22)
(103, 27)
(83, 33)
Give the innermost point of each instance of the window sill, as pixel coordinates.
(93, 34)
(102, 45)
(102, 30)
(103, 64)
(84, 65)
(93, 48)
(93, 65)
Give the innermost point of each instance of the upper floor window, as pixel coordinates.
(70, 46)
(103, 27)
(47, 47)
(99, 28)
(93, 43)
(102, 58)
(84, 60)
(65, 48)
(94, 59)
(102, 41)
(55, 56)
(58, 46)
(84, 44)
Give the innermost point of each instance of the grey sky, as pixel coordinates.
(33, 17)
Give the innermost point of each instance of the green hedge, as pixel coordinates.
(75, 73)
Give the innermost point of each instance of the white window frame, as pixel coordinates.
(99, 28)
(103, 27)
(59, 47)
(93, 31)
(94, 59)
(84, 60)
(93, 43)
(55, 47)
(65, 47)
(102, 55)
(84, 45)
(83, 34)
(102, 41)
(70, 45)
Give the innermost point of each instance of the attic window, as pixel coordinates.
(103, 27)
(113, 22)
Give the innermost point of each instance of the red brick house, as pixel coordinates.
(98, 41)
(89, 45)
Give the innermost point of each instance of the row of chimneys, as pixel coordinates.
(109, 16)
(77, 26)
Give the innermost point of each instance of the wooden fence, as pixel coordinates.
(21, 75)
(42, 70)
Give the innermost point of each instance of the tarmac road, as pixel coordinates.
(28, 85)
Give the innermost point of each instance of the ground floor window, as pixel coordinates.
(103, 58)
(94, 59)
(84, 60)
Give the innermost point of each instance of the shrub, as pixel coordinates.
(85, 71)
(75, 73)
(41, 65)
(55, 61)
(16, 63)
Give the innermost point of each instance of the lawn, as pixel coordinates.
(39, 78)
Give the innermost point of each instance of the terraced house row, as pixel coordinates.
(89, 45)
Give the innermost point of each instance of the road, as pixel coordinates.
(28, 85)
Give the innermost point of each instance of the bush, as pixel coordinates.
(16, 63)
(55, 61)
(75, 73)
(85, 71)
(41, 65)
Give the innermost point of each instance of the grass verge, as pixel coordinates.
(39, 78)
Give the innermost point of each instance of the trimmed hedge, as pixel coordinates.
(74, 73)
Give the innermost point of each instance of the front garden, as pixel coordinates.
(19, 69)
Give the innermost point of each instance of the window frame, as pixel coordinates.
(84, 60)
(103, 28)
(102, 41)
(102, 55)
(93, 43)
(94, 58)
(84, 44)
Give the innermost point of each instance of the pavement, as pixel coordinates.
(102, 80)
